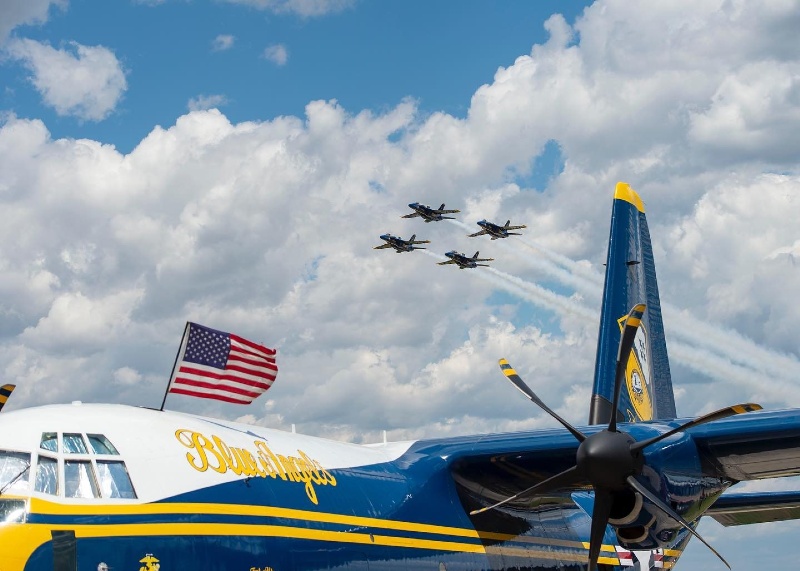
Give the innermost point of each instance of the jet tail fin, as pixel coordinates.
(442, 206)
(413, 237)
(476, 255)
(508, 222)
(630, 279)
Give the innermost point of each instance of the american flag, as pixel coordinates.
(217, 365)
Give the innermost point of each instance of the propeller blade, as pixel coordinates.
(512, 376)
(600, 514)
(632, 323)
(642, 489)
(710, 417)
(562, 479)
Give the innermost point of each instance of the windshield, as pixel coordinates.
(14, 468)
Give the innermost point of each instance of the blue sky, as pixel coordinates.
(234, 162)
(368, 56)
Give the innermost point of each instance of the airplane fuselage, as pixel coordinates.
(202, 494)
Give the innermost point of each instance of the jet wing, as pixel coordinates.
(418, 242)
(382, 246)
(447, 211)
(412, 215)
(481, 233)
(482, 259)
(746, 508)
(515, 227)
(447, 262)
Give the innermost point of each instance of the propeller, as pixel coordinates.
(610, 461)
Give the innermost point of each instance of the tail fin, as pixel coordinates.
(507, 223)
(413, 237)
(476, 255)
(442, 206)
(630, 279)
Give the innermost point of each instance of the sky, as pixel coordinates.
(233, 163)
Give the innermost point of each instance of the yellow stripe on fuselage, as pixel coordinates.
(256, 530)
(50, 508)
(44, 507)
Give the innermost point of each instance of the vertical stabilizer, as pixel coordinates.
(631, 279)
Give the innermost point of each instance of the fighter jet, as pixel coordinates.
(428, 213)
(496, 231)
(399, 244)
(465, 261)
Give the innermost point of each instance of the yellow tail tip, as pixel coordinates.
(626, 193)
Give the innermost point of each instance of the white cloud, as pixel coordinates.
(222, 43)
(300, 7)
(83, 81)
(267, 229)
(204, 102)
(277, 54)
(15, 13)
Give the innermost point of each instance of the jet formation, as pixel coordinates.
(428, 214)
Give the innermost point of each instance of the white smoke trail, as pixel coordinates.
(726, 343)
(563, 275)
(720, 366)
(528, 291)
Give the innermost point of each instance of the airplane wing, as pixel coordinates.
(412, 215)
(419, 242)
(483, 259)
(759, 507)
(447, 211)
(515, 227)
(481, 233)
(764, 444)
(447, 262)
(382, 246)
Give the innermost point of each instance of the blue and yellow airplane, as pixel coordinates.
(497, 231)
(91, 486)
(463, 261)
(401, 245)
(430, 214)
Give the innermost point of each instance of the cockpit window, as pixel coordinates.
(47, 476)
(74, 444)
(49, 442)
(114, 480)
(101, 445)
(78, 479)
(14, 470)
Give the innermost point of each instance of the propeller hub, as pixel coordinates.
(606, 460)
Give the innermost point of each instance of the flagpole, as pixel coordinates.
(172, 374)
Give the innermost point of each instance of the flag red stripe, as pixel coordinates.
(217, 386)
(254, 362)
(260, 349)
(210, 396)
(251, 372)
(264, 384)
(258, 381)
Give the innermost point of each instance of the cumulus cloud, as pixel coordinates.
(277, 54)
(203, 102)
(266, 228)
(222, 43)
(14, 13)
(306, 8)
(82, 81)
